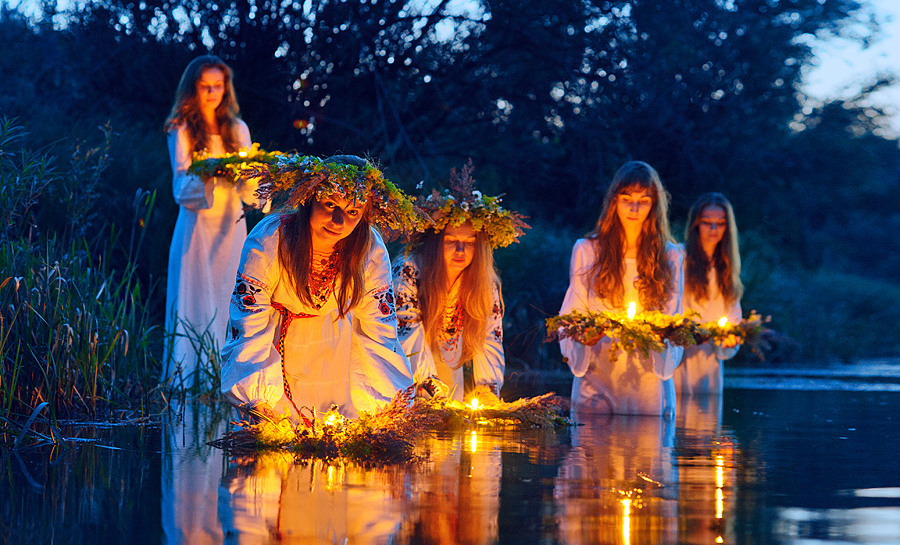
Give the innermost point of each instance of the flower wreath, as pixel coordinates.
(462, 203)
(228, 166)
(291, 180)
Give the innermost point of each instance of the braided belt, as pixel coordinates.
(286, 318)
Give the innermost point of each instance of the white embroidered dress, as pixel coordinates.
(204, 252)
(632, 384)
(487, 365)
(701, 371)
(353, 362)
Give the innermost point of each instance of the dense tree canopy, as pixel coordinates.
(547, 97)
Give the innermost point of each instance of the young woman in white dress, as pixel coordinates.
(210, 230)
(313, 322)
(628, 257)
(712, 288)
(449, 299)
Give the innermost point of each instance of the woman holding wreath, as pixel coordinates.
(629, 257)
(712, 289)
(210, 229)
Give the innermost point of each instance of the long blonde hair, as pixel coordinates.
(186, 109)
(476, 287)
(726, 258)
(654, 283)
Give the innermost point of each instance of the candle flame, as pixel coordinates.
(330, 420)
(474, 404)
(722, 321)
(632, 309)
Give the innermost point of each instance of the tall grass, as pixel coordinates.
(75, 326)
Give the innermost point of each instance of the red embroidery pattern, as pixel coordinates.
(452, 326)
(321, 278)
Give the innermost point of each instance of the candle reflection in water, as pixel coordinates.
(618, 484)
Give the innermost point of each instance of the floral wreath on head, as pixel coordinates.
(463, 203)
(291, 180)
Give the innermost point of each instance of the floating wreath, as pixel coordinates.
(386, 436)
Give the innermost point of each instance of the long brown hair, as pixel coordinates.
(726, 257)
(186, 109)
(655, 276)
(295, 252)
(476, 286)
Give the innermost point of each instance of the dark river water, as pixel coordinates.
(754, 467)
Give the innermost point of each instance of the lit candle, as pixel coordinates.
(474, 404)
(632, 309)
(722, 321)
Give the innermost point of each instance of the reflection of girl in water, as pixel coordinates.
(619, 483)
(628, 257)
(273, 499)
(449, 303)
(312, 313)
(712, 289)
(210, 230)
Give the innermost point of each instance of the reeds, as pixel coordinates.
(75, 326)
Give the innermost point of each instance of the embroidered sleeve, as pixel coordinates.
(251, 369)
(409, 320)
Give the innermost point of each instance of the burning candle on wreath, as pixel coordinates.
(474, 405)
(632, 309)
(723, 321)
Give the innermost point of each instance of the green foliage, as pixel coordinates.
(832, 315)
(74, 326)
(548, 99)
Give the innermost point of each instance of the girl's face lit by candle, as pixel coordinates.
(633, 208)
(711, 227)
(332, 220)
(459, 249)
(210, 89)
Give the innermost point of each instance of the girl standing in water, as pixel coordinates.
(713, 289)
(628, 257)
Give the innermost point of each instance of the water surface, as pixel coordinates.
(755, 467)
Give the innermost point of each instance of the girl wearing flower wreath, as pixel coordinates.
(713, 289)
(312, 314)
(449, 301)
(628, 257)
(209, 231)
